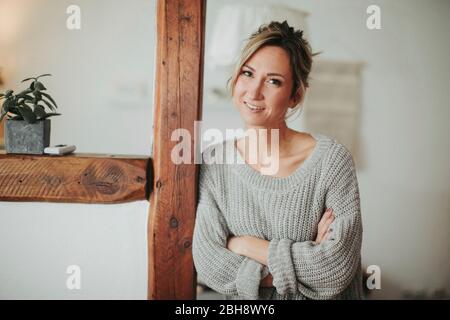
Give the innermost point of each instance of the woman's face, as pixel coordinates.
(262, 93)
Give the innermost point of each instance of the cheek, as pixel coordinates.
(238, 90)
(277, 97)
(238, 87)
(235, 97)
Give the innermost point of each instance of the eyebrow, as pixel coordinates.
(269, 74)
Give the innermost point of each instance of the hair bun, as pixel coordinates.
(287, 30)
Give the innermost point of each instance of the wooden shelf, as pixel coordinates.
(81, 178)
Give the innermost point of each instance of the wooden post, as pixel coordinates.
(178, 99)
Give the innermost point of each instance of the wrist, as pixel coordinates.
(243, 246)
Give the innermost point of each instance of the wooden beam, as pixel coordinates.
(83, 178)
(178, 99)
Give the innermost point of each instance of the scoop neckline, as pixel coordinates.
(258, 180)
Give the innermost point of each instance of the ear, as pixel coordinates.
(298, 98)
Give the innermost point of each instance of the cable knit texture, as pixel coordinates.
(235, 199)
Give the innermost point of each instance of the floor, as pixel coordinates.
(205, 293)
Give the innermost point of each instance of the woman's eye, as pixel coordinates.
(275, 82)
(247, 73)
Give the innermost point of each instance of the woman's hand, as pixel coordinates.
(324, 229)
(236, 244)
(255, 249)
(252, 247)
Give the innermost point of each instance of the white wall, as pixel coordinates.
(38, 242)
(102, 81)
(404, 175)
(102, 74)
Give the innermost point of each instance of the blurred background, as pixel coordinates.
(382, 92)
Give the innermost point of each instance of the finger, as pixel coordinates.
(330, 228)
(327, 222)
(330, 219)
(325, 216)
(324, 237)
(324, 228)
(319, 236)
(323, 225)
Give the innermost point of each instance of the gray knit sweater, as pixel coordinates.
(235, 199)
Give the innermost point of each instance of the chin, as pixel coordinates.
(254, 122)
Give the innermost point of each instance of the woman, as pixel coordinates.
(262, 236)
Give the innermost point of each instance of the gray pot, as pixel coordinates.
(23, 137)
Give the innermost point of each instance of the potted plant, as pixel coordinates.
(27, 127)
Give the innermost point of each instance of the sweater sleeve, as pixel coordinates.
(217, 267)
(325, 270)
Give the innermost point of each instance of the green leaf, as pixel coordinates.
(43, 75)
(38, 96)
(51, 115)
(27, 113)
(28, 98)
(27, 79)
(35, 78)
(49, 98)
(24, 92)
(6, 107)
(39, 86)
(25, 98)
(39, 110)
(8, 93)
(14, 110)
(48, 105)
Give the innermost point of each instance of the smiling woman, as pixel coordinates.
(257, 87)
(293, 234)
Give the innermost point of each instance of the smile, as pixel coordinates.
(253, 108)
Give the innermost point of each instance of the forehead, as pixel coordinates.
(270, 59)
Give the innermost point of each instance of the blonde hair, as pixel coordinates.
(292, 41)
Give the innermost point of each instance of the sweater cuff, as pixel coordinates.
(281, 267)
(248, 279)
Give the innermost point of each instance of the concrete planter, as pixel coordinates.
(25, 138)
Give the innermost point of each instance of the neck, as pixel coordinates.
(267, 136)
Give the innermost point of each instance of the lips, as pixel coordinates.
(253, 108)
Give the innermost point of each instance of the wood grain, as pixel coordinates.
(80, 178)
(178, 98)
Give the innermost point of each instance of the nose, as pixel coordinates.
(254, 90)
